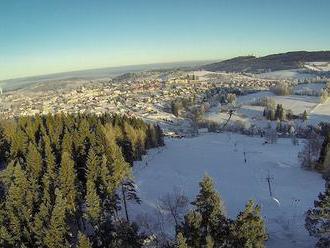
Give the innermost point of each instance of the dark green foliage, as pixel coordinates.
(305, 115)
(83, 241)
(62, 174)
(318, 219)
(272, 113)
(175, 108)
(249, 227)
(207, 225)
(324, 159)
(181, 241)
(208, 202)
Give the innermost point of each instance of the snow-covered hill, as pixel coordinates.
(182, 164)
(318, 66)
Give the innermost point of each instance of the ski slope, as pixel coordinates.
(182, 164)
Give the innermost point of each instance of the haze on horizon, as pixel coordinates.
(42, 37)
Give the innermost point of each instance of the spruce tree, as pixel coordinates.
(56, 233)
(318, 219)
(305, 116)
(92, 198)
(67, 178)
(192, 229)
(61, 165)
(209, 242)
(34, 166)
(250, 227)
(208, 202)
(181, 241)
(18, 209)
(83, 241)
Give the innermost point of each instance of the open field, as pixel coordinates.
(182, 164)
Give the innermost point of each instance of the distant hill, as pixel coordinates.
(91, 74)
(274, 62)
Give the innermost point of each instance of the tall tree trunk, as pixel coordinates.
(125, 203)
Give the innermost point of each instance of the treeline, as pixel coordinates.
(206, 225)
(66, 178)
(317, 220)
(316, 151)
(278, 113)
(282, 89)
(273, 113)
(324, 159)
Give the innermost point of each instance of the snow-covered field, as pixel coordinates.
(318, 66)
(320, 113)
(286, 74)
(248, 114)
(309, 86)
(298, 104)
(251, 98)
(182, 163)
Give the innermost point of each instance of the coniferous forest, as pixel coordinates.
(66, 177)
(66, 181)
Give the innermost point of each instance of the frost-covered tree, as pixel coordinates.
(309, 155)
(318, 219)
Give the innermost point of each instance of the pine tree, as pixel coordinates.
(175, 108)
(209, 242)
(50, 161)
(67, 143)
(181, 241)
(18, 208)
(192, 229)
(34, 168)
(160, 136)
(92, 198)
(56, 233)
(207, 222)
(83, 241)
(250, 227)
(48, 187)
(318, 219)
(128, 189)
(67, 181)
(151, 140)
(208, 202)
(58, 165)
(305, 116)
(48, 190)
(118, 168)
(18, 142)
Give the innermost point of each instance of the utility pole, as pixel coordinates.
(270, 178)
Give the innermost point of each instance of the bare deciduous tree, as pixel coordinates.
(174, 205)
(311, 151)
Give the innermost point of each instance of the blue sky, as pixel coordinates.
(40, 37)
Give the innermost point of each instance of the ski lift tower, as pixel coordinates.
(269, 179)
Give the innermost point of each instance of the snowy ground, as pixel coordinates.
(320, 113)
(309, 86)
(286, 74)
(182, 163)
(248, 114)
(298, 104)
(318, 66)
